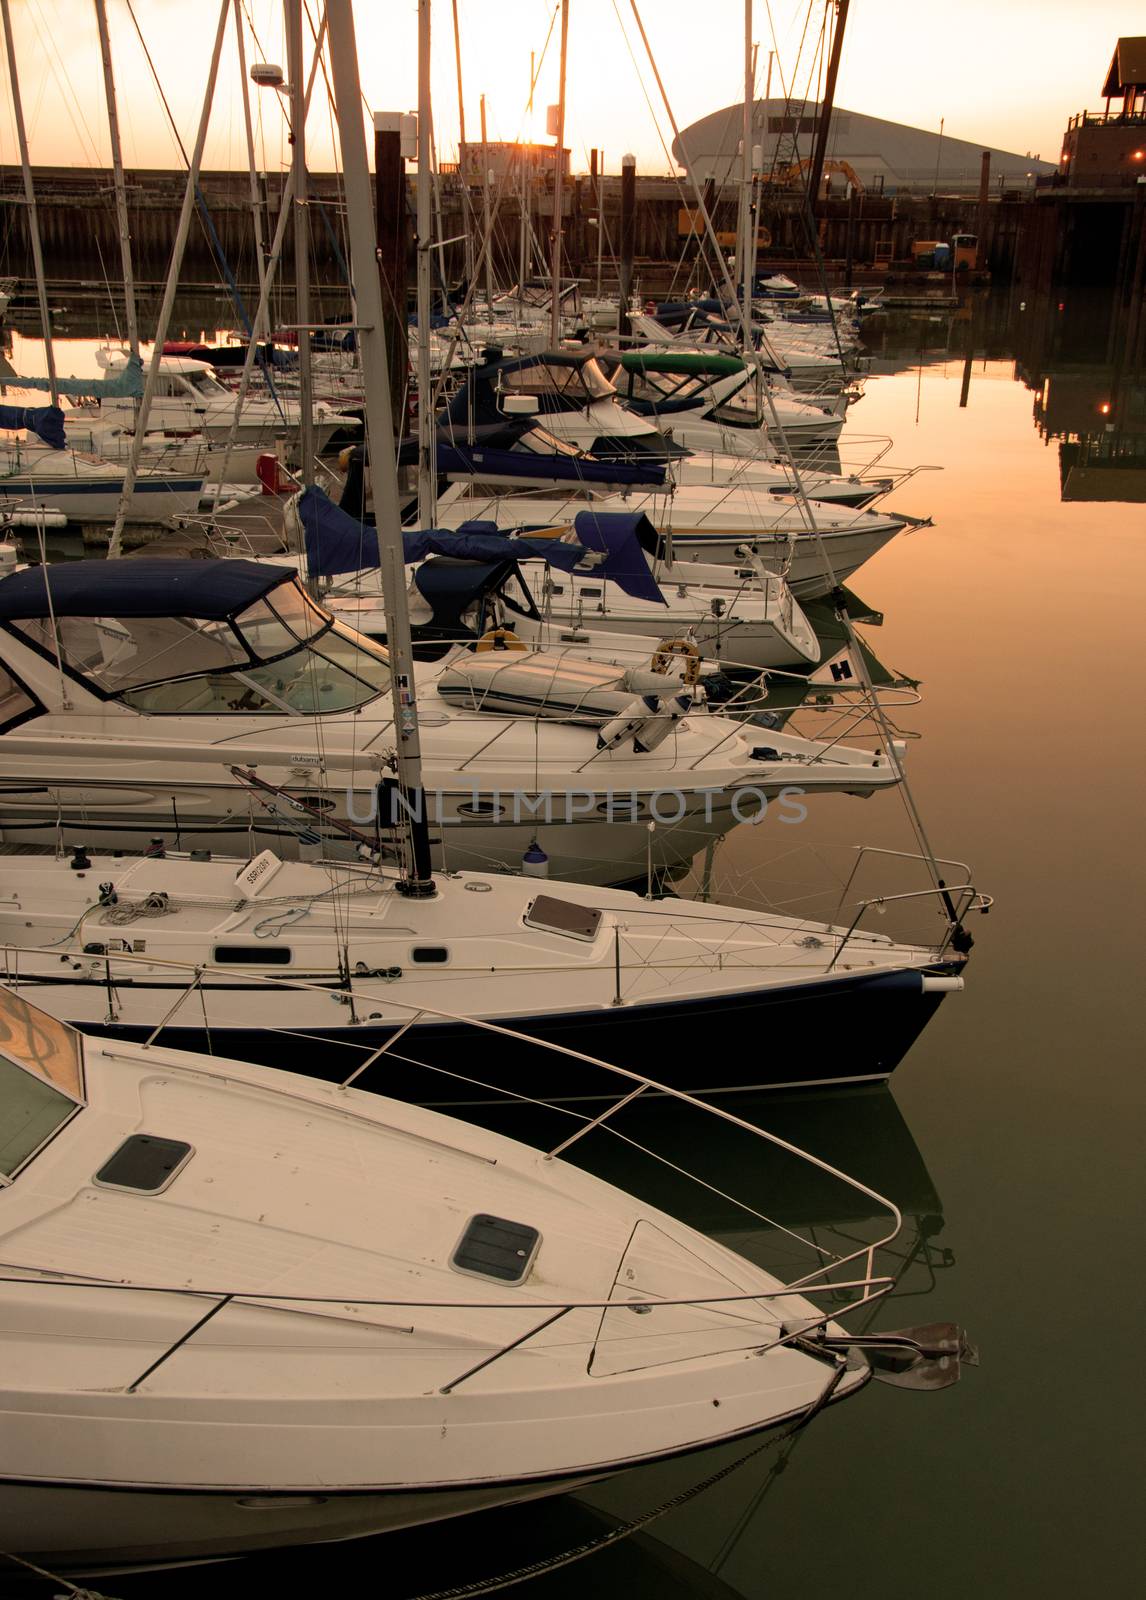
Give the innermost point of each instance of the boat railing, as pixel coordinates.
(957, 900)
(860, 1282)
(867, 1289)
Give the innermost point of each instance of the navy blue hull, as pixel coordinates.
(844, 1030)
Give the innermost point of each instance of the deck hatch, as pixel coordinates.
(144, 1162)
(494, 1247)
(552, 915)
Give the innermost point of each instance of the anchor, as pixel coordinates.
(929, 1356)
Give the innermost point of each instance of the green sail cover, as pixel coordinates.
(127, 384)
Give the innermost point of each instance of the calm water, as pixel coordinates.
(1013, 1141)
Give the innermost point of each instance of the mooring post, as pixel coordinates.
(628, 241)
(984, 191)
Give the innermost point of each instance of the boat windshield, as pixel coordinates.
(544, 443)
(579, 383)
(282, 654)
(41, 1080)
(654, 386)
(207, 383)
(743, 408)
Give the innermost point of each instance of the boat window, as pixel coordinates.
(430, 954)
(545, 443)
(176, 665)
(542, 380)
(655, 386)
(251, 955)
(116, 653)
(480, 808)
(742, 408)
(517, 597)
(14, 702)
(619, 446)
(41, 1079)
(31, 1111)
(737, 414)
(206, 383)
(338, 671)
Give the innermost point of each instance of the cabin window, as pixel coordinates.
(487, 809)
(281, 654)
(206, 383)
(15, 702)
(430, 954)
(542, 442)
(116, 653)
(516, 596)
(31, 1111)
(543, 380)
(251, 955)
(620, 808)
(337, 672)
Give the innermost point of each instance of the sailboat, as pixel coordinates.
(314, 965)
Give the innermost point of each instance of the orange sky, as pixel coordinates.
(1007, 74)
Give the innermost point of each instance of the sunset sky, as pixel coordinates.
(1007, 74)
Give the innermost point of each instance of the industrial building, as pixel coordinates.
(885, 157)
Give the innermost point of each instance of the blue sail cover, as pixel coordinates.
(46, 422)
(619, 535)
(336, 542)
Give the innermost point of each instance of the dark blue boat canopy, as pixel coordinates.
(210, 590)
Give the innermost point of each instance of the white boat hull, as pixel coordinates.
(95, 499)
(801, 560)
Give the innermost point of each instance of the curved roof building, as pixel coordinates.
(885, 156)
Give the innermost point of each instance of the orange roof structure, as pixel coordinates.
(1128, 67)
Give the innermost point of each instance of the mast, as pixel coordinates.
(487, 226)
(816, 170)
(746, 185)
(30, 200)
(427, 477)
(558, 182)
(600, 218)
(256, 199)
(523, 230)
(262, 313)
(417, 878)
(115, 543)
(293, 19)
(130, 311)
(462, 153)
